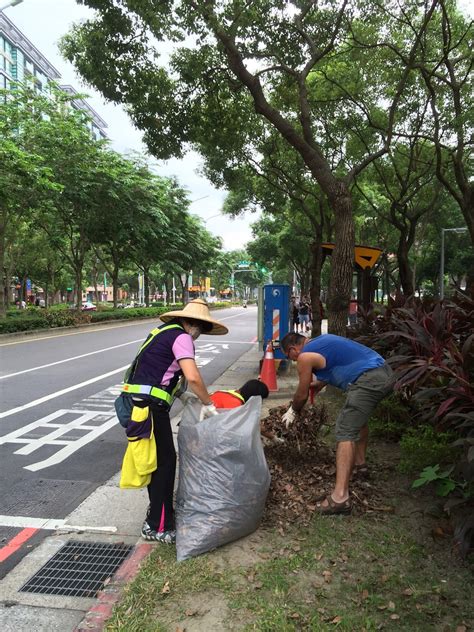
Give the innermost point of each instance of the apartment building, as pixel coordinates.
(21, 61)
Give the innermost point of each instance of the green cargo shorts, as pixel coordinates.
(362, 397)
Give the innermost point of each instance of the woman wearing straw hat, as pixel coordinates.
(152, 382)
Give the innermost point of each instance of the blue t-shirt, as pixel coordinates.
(346, 359)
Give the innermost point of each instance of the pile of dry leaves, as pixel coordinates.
(303, 469)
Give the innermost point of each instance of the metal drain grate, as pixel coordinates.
(78, 569)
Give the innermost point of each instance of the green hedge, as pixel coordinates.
(39, 318)
(10, 325)
(127, 314)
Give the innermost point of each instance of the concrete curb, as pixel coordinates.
(96, 617)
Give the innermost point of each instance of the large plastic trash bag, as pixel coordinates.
(223, 478)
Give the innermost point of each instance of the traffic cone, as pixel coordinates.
(268, 372)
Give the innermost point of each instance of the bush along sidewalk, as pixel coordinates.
(37, 318)
(386, 566)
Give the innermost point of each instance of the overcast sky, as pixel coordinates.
(44, 22)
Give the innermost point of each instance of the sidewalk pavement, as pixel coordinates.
(109, 515)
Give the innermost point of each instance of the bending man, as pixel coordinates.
(366, 378)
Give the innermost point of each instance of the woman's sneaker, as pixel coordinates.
(165, 537)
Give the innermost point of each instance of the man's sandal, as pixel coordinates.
(333, 508)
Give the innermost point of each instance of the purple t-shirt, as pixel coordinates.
(158, 363)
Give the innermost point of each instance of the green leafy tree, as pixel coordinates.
(25, 177)
(261, 59)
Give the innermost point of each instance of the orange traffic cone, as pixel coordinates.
(268, 372)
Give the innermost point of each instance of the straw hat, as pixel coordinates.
(197, 309)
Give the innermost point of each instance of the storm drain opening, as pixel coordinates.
(78, 569)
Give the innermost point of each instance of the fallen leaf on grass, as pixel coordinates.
(258, 585)
(327, 576)
(337, 619)
(365, 594)
(295, 615)
(391, 605)
(318, 556)
(190, 613)
(165, 589)
(408, 592)
(178, 629)
(394, 617)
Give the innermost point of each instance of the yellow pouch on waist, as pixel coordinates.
(144, 455)
(140, 414)
(130, 478)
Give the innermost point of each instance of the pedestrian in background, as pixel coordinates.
(304, 314)
(152, 380)
(353, 311)
(294, 314)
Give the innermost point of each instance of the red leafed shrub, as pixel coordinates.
(430, 345)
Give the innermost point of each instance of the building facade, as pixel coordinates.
(21, 61)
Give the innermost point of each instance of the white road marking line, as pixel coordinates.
(46, 398)
(79, 422)
(84, 355)
(24, 522)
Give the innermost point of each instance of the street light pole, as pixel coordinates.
(441, 265)
(12, 3)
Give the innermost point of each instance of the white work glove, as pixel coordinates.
(289, 417)
(207, 410)
(188, 397)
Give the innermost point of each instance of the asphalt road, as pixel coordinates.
(59, 438)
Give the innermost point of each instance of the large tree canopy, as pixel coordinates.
(297, 65)
(338, 81)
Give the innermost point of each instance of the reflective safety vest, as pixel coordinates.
(155, 392)
(227, 399)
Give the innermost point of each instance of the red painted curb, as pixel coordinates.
(94, 620)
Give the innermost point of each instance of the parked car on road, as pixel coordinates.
(88, 307)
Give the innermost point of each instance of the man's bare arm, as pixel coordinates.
(307, 362)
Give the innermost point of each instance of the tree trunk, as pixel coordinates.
(342, 263)
(78, 288)
(96, 289)
(3, 272)
(404, 269)
(315, 293)
(115, 274)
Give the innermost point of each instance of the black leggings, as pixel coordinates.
(160, 490)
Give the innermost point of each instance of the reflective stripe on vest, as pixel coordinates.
(235, 394)
(147, 389)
